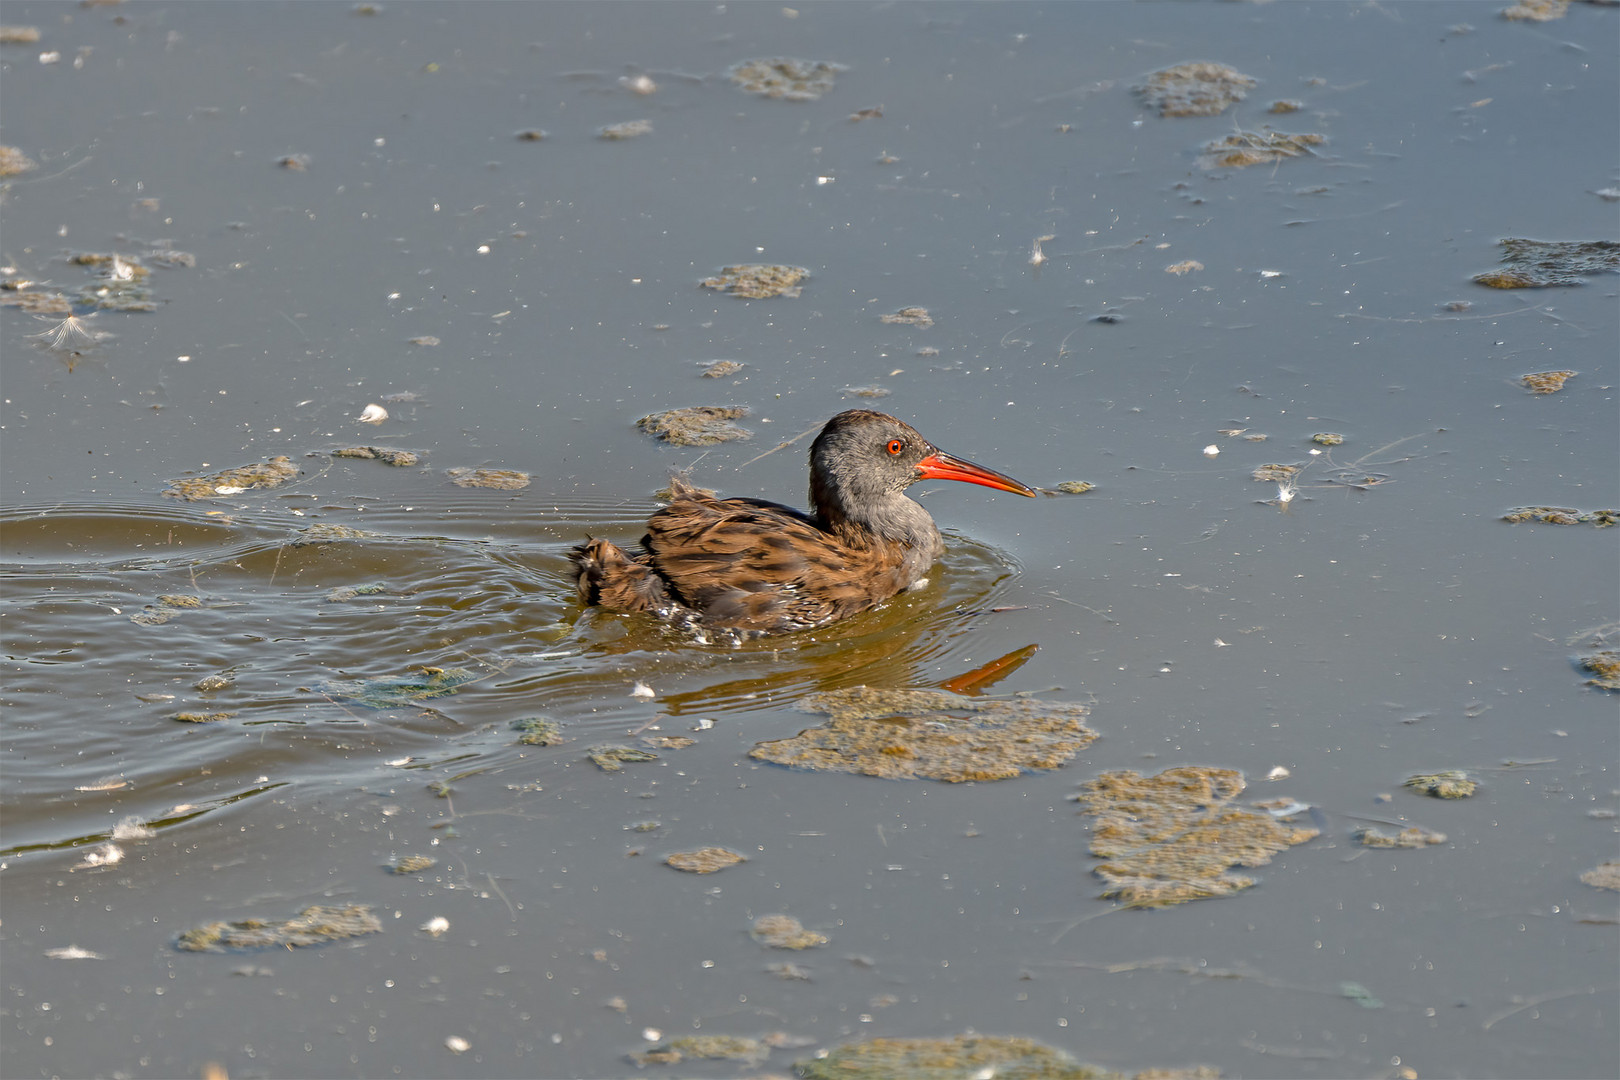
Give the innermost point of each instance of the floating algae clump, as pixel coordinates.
(1547, 382)
(1450, 784)
(537, 731)
(1603, 876)
(1075, 487)
(909, 316)
(704, 860)
(612, 758)
(1244, 148)
(931, 734)
(412, 864)
(313, 926)
(1540, 264)
(385, 454)
(959, 1058)
(784, 932)
(758, 281)
(1328, 438)
(785, 78)
(391, 692)
(501, 479)
(741, 1048)
(277, 470)
(1604, 666)
(1174, 837)
(1275, 474)
(201, 717)
(1412, 836)
(1562, 515)
(627, 130)
(1196, 89)
(703, 425)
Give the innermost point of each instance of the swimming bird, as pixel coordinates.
(760, 567)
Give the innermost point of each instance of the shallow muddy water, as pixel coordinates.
(374, 221)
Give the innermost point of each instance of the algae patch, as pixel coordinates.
(1603, 666)
(758, 281)
(704, 860)
(1450, 784)
(1547, 382)
(316, 925)
(958, 1058)
(385, 454)
(268, 474)
(1241, 149)
(499, 479)
(412, 864)
(392, 692)
(932, 735)
(741, 1048)
(785, 78)
(1603, 876)
(702, 425)
(1196, 89)
(1174, 837)
(1413, 836)
(1541, 264)
(784, 932)
(612, 758)
(537, 731)
(909, 316)
(1561, 515)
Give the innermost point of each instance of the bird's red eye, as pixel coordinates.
(895, 446)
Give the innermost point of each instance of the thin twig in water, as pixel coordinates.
(779, 446)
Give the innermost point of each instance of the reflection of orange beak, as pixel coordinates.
(942, 466)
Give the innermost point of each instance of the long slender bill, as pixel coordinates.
(942, 466)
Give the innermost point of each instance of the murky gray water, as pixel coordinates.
(1352, 637)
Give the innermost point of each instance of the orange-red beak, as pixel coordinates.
(942, 466)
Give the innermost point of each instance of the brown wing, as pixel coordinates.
(755, 565)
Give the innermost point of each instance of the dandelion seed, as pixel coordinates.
(71, 334)
(457, 1045)
(1212, 450)
(1285, 494)
(436, 925)
(373, 414)
(1036, 255)
(642, 690)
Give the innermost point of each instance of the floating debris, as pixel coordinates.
(784, 932)
(704, 860)
(1604, 666)
(786, 969)
(1450, 784)
(174, 260)
(529, 135)
(201, 717)
(1537, 10)
(1413, 836)
(537, 731)
(627, 130)
(1174, 837)
(276, 471)
(385, 454)
(167, 607)
(13, 162)
(721, 368)
(72, 952)
(1604, 875)
(703, 425)
(20, 295)
(1360, 995)
(642, 85)
(19, 35)
(612, 758)
(867, 391)
(426, 341)
(1561, 515)
(909, 316)
(1075, 487)
(121, 283)
(1241, 149)
(874, 113)
(1186, 266)
(1197, 89)
(1275, 474)
(73, 334)
(1540, 264)
(392, 692)
(932, 735)
(1547, 382)
(1328, 438)
(957, 1058)
(785, 78)
(316, 925)
(500, 479)
(412, 864)
(749, 1051)
(294, 162)
(324, 532)
(668, 742)
(1283, 108)
(758, 281)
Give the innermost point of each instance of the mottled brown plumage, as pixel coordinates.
(757, 566)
